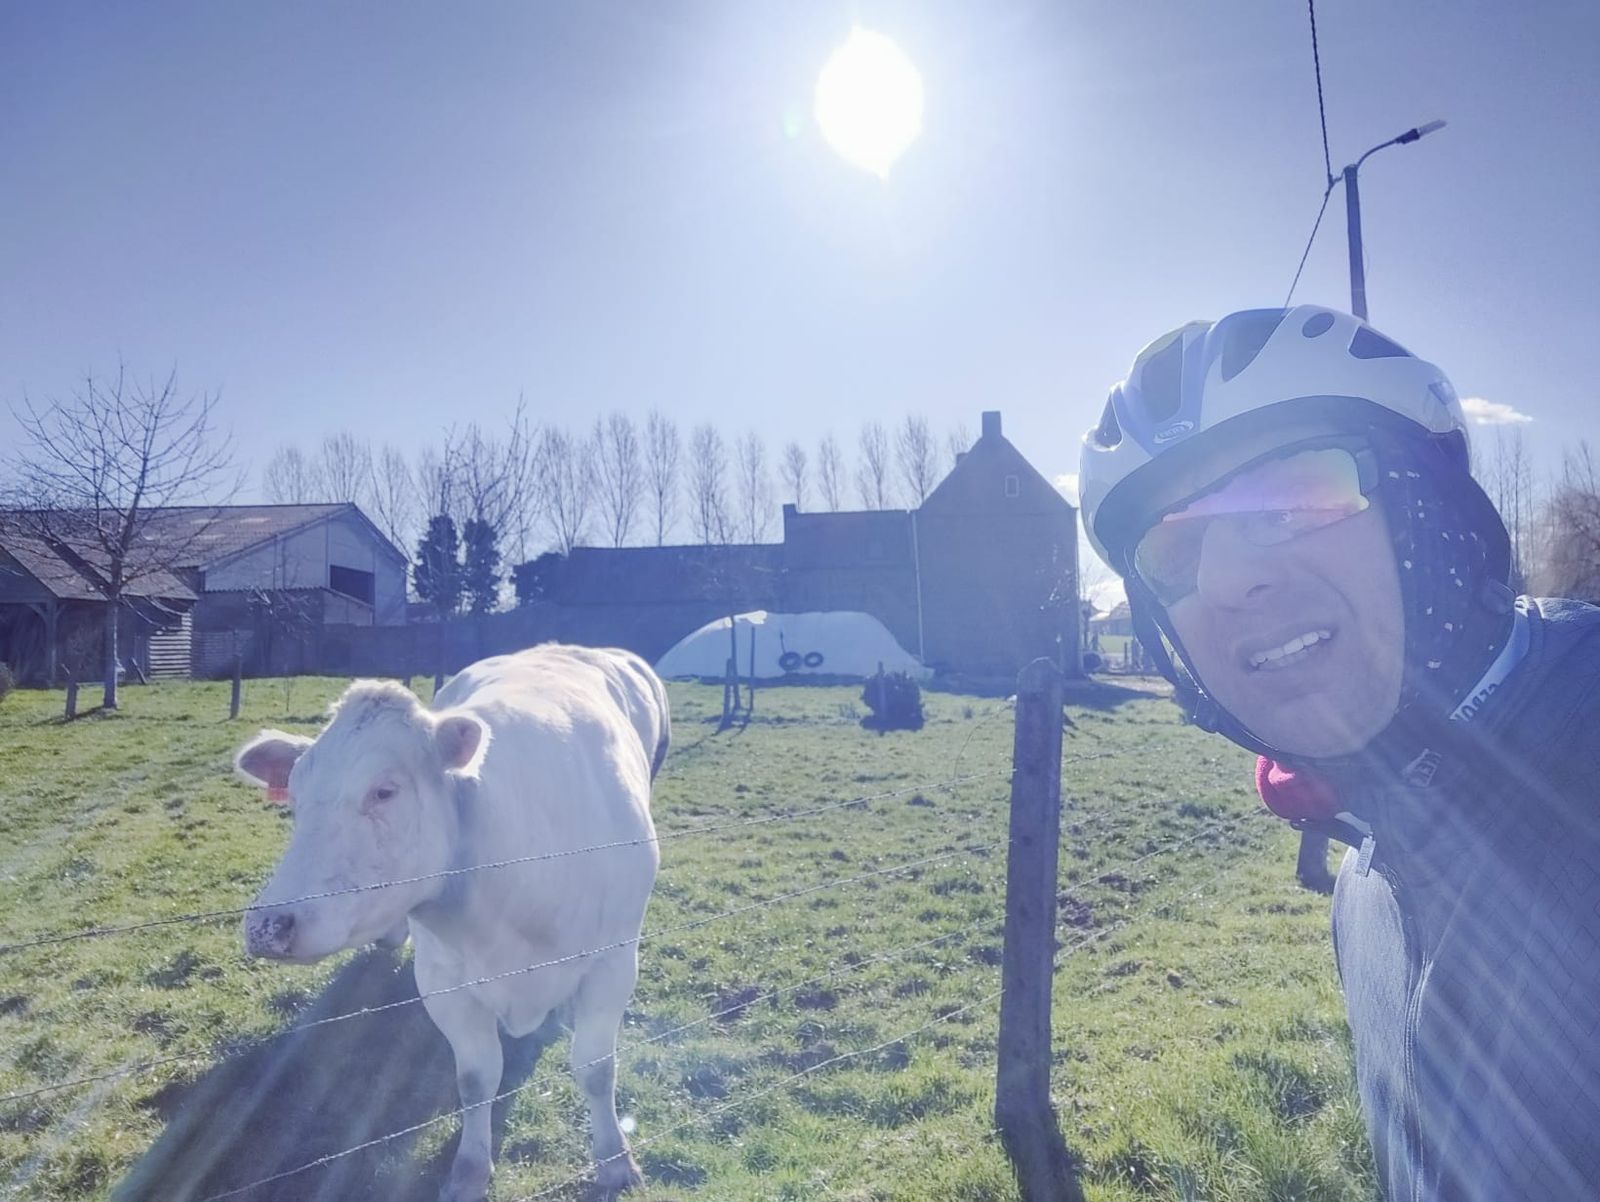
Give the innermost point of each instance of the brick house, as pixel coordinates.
(978, 580)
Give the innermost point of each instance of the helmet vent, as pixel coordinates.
(1369, 344)
(1161, 382)
(1317, 325)
(1243, 336)
(1108, 433)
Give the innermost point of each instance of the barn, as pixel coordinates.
(258, 583)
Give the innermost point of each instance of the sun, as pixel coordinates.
(869, 101)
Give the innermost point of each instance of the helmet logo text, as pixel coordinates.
(1175, 430)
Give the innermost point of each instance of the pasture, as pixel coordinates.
(813, 1020)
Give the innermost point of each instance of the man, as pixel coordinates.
(1287, 497)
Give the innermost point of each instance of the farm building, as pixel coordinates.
(254, 581)
(976, 581)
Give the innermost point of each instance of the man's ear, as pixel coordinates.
(462, 739)
(267, 760)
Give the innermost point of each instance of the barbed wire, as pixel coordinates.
(541, 857)
(642, 937)
(745, 1004)
(462, 1111)
(766, 1091)
(144, 1066)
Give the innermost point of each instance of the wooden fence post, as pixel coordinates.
(72, 694)
(1022, 1108)
(238, 686)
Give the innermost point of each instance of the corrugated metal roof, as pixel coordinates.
(182, 539)
(201, 535)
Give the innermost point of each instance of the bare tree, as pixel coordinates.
(1569, 552)
(755, 488)
(98, 470)
(292, 479)
(708, 486)
(394, 498)
(793, 471)
(830, 473)
(915, 452)
(566, 480)
(957, 443)
(1506, 474)
(495, 477)
(661, 470)
(872, 469)
(621, 474)
(346, 468)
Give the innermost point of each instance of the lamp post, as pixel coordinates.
(1352, 205)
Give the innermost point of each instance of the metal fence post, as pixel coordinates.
(1022, 1108)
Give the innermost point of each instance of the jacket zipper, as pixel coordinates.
(1416, 974)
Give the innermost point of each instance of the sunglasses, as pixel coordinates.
(1266, 502)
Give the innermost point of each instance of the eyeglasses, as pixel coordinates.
(1266, 502)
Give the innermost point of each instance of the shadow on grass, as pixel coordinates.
(274, 1107)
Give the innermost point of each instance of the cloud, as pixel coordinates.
(1067, 485)
(1491, 413)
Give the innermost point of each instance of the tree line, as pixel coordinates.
(483, 499)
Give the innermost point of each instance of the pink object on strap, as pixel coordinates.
(1294, 792)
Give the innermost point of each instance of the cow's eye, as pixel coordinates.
(384, 792)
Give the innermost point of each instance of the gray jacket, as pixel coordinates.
(1469, 949)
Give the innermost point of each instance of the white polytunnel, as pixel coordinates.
(837, 643)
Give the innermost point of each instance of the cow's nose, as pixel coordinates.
(270, 934)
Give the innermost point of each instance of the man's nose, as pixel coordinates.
(1233, 571)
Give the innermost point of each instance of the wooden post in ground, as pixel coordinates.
(72, 694)
(1022, 1109)
(237, 692)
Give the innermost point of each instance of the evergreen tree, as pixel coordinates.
(437, 572)
(481, 565)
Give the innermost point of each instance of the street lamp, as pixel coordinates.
(1352, 205)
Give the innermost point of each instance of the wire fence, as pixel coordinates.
(988, 922)
(538, 858)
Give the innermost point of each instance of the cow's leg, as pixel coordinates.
(1312, 864)
(597, 1013)
(474, 1037)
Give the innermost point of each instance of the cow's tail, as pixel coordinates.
(664, 708)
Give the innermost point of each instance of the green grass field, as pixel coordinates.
(1200, 1049)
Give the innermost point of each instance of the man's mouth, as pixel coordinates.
(1286, 655)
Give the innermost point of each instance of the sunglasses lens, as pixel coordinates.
(1270, 503)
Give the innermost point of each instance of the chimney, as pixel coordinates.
(991, 423)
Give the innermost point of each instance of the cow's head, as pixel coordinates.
(375, 800)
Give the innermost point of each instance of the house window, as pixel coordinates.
(1013, 487)
(351, 582)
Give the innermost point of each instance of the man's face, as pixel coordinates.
(1302, 640)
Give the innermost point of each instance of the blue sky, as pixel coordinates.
(388, 217)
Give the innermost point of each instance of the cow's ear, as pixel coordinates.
(462, 739)
(267, 760)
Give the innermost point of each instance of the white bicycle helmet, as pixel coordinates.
(1253, 366)
(1262, 368)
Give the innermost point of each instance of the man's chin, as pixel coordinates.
(1315, 731)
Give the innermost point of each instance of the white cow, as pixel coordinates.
(547, 750)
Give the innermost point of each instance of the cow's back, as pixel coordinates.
(564, 771)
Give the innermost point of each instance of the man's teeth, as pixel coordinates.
(1276, 656)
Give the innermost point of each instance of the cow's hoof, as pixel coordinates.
(468, 1182)
(617, 1175)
